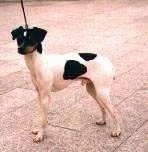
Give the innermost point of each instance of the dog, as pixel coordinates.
(54, 72)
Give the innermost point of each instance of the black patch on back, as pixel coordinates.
(73, 69)
(88, 56)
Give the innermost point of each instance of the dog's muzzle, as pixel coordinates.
(23, 50)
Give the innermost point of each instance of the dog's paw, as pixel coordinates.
(35, 131)
(38, 138)
(39, 135)
(116, 133)
(101, 122)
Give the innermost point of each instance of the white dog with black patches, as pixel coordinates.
(51, 73)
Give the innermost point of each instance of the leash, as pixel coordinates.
(22, 5)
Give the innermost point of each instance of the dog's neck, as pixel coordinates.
(32, 61)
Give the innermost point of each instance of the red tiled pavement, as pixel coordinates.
(116, 29)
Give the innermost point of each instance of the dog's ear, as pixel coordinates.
(39, 34)
(39, 48)
(17, 32)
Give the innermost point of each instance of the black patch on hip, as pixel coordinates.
(88, 56)
(73, 69)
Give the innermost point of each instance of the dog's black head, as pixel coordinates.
(29, 40)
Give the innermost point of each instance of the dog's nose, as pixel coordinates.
(21, 51)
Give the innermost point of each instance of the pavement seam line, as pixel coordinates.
(129, 95)
(124, 141)
(133, 67)
(57, 126)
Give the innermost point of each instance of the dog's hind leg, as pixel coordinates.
(103, 95)
(91, 90)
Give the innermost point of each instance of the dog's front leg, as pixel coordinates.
(43, 103)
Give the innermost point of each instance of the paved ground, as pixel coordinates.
(117, 29)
